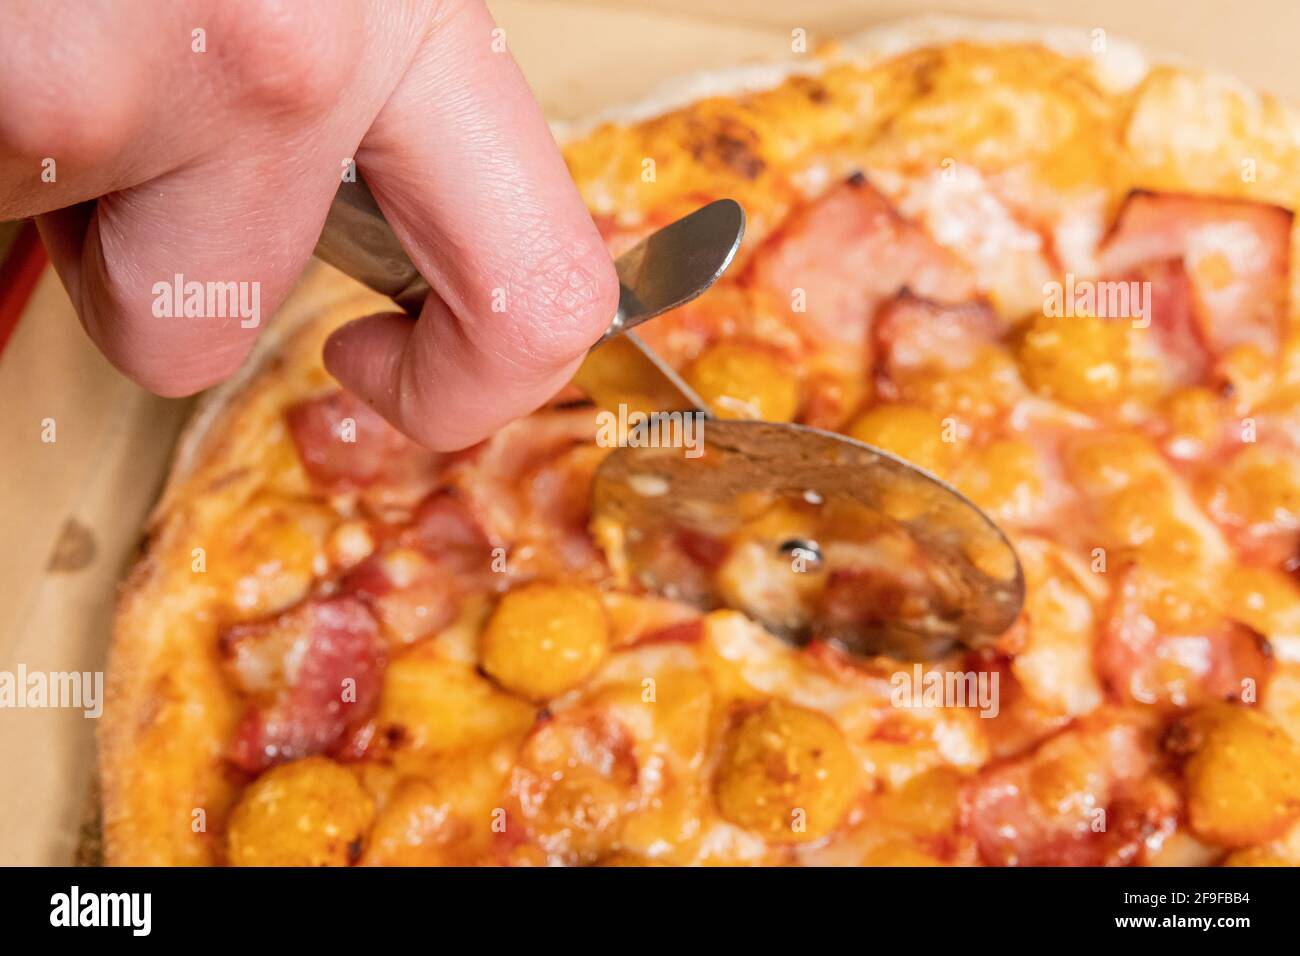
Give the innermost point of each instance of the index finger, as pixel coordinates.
(463, 165)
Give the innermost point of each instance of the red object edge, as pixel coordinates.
(19, 273)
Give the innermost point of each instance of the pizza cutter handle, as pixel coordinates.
(667, 269)
(358, 240)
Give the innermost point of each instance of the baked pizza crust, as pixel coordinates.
(170, 713)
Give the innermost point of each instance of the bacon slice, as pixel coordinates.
(344, 445)
(556, 495)
(417, 586)
(313, 673)
(411, 595)
(912, 334)
(1235, 254)
(444, 525)
(1178, 337)
(1082, 798)
(1137, 661)
(849, 252)
(527, 485)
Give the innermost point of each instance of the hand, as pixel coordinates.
(207, 138)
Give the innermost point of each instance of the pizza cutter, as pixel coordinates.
(813, 534)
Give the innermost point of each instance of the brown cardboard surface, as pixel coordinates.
(73, 512)
(74, 508)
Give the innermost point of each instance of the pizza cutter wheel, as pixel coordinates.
(814, 535)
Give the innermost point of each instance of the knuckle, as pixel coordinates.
(78, 123)
(284, 60)
(66, 92)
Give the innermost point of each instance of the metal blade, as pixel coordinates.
(872, 553)
(674, 265)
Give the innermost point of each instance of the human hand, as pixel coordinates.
(206, 138)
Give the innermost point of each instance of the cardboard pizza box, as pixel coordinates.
(84, 452)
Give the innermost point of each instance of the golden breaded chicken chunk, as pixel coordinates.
(1242, 773)
(908, 431)
(737, 380)
(785, 773)
(543, 639)
(311, 812)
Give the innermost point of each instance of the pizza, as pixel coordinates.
(1043, 268)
